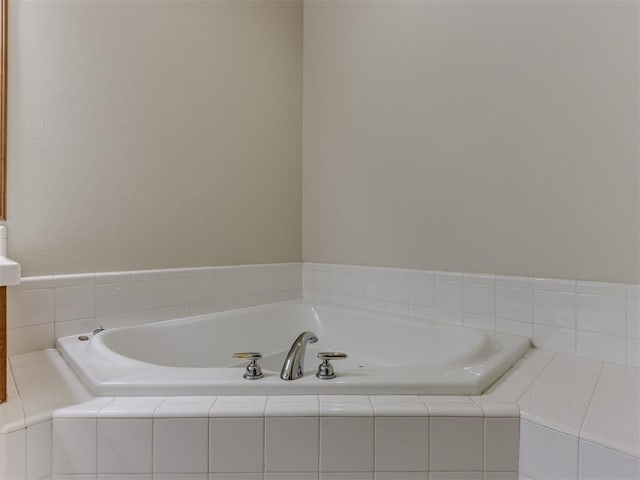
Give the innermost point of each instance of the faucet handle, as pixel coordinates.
(253, 370)
(325, 369)
(249, 355)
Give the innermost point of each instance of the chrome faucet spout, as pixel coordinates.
(293, 366)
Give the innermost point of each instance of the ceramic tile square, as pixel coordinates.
(12, 445)
(499, 410)
(602, 314)
(374, 305)
(105, 278)
(112, 299)
(401, 475)
(185, 407)
(88, 409)
(29, 307)
(72, 303)
(75, 280)
(421, 289)
(547, 453)
(561, 340)
(114, 321)
(292, 406)
(448, 296)
(226, 286)
(448, 316)
(478, 279)
(201, 289)
(600, 463)
(458, 410)
(514, 304)
(450, 277)
(425, 313)
(146, 316)
(323, 280)
(146, 295)
(613, 416)
(401, 444)
(29, 339)
(308, 277)
(602, 288)
(131, 407)
(501, 444)
(283, 280)
(357, 302)
(124, 445)
(479, 321)
(74, 446)
(356, 285)
(397, 287)
(375, 285)
(39, 450)
(338, 283)
(177, 311)
(398, 406)
(479, 299)
(346, 444)
(266, 282)
(247, 283)
(295, 277)
(554, 285)
(557, 309)
(456, 444)
(236, 445)
(397, 308)
(181, 445)
(291, 444)
(202, 308)
(513, 327)
(606, 348)
(175, 291)
(345, 405)
(560, 394)
(511, 281)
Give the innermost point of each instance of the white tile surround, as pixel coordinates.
(552, 416)
(590, 319)
(41, 309)
(575, 418)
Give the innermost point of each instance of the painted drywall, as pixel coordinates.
(152, 134)
(477, 136)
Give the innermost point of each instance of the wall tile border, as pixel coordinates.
(591, 319)
(41, 309)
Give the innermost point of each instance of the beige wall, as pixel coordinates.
(478, 136)
(151, 134)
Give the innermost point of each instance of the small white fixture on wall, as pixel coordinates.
(9, 270)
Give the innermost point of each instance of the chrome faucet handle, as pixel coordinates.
(325, 369)
(253, 370)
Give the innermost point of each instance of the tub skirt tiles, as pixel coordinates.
(241, 438)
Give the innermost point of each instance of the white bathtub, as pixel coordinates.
(387, 354)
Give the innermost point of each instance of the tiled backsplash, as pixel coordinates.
(41, 309)
(590, 319)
